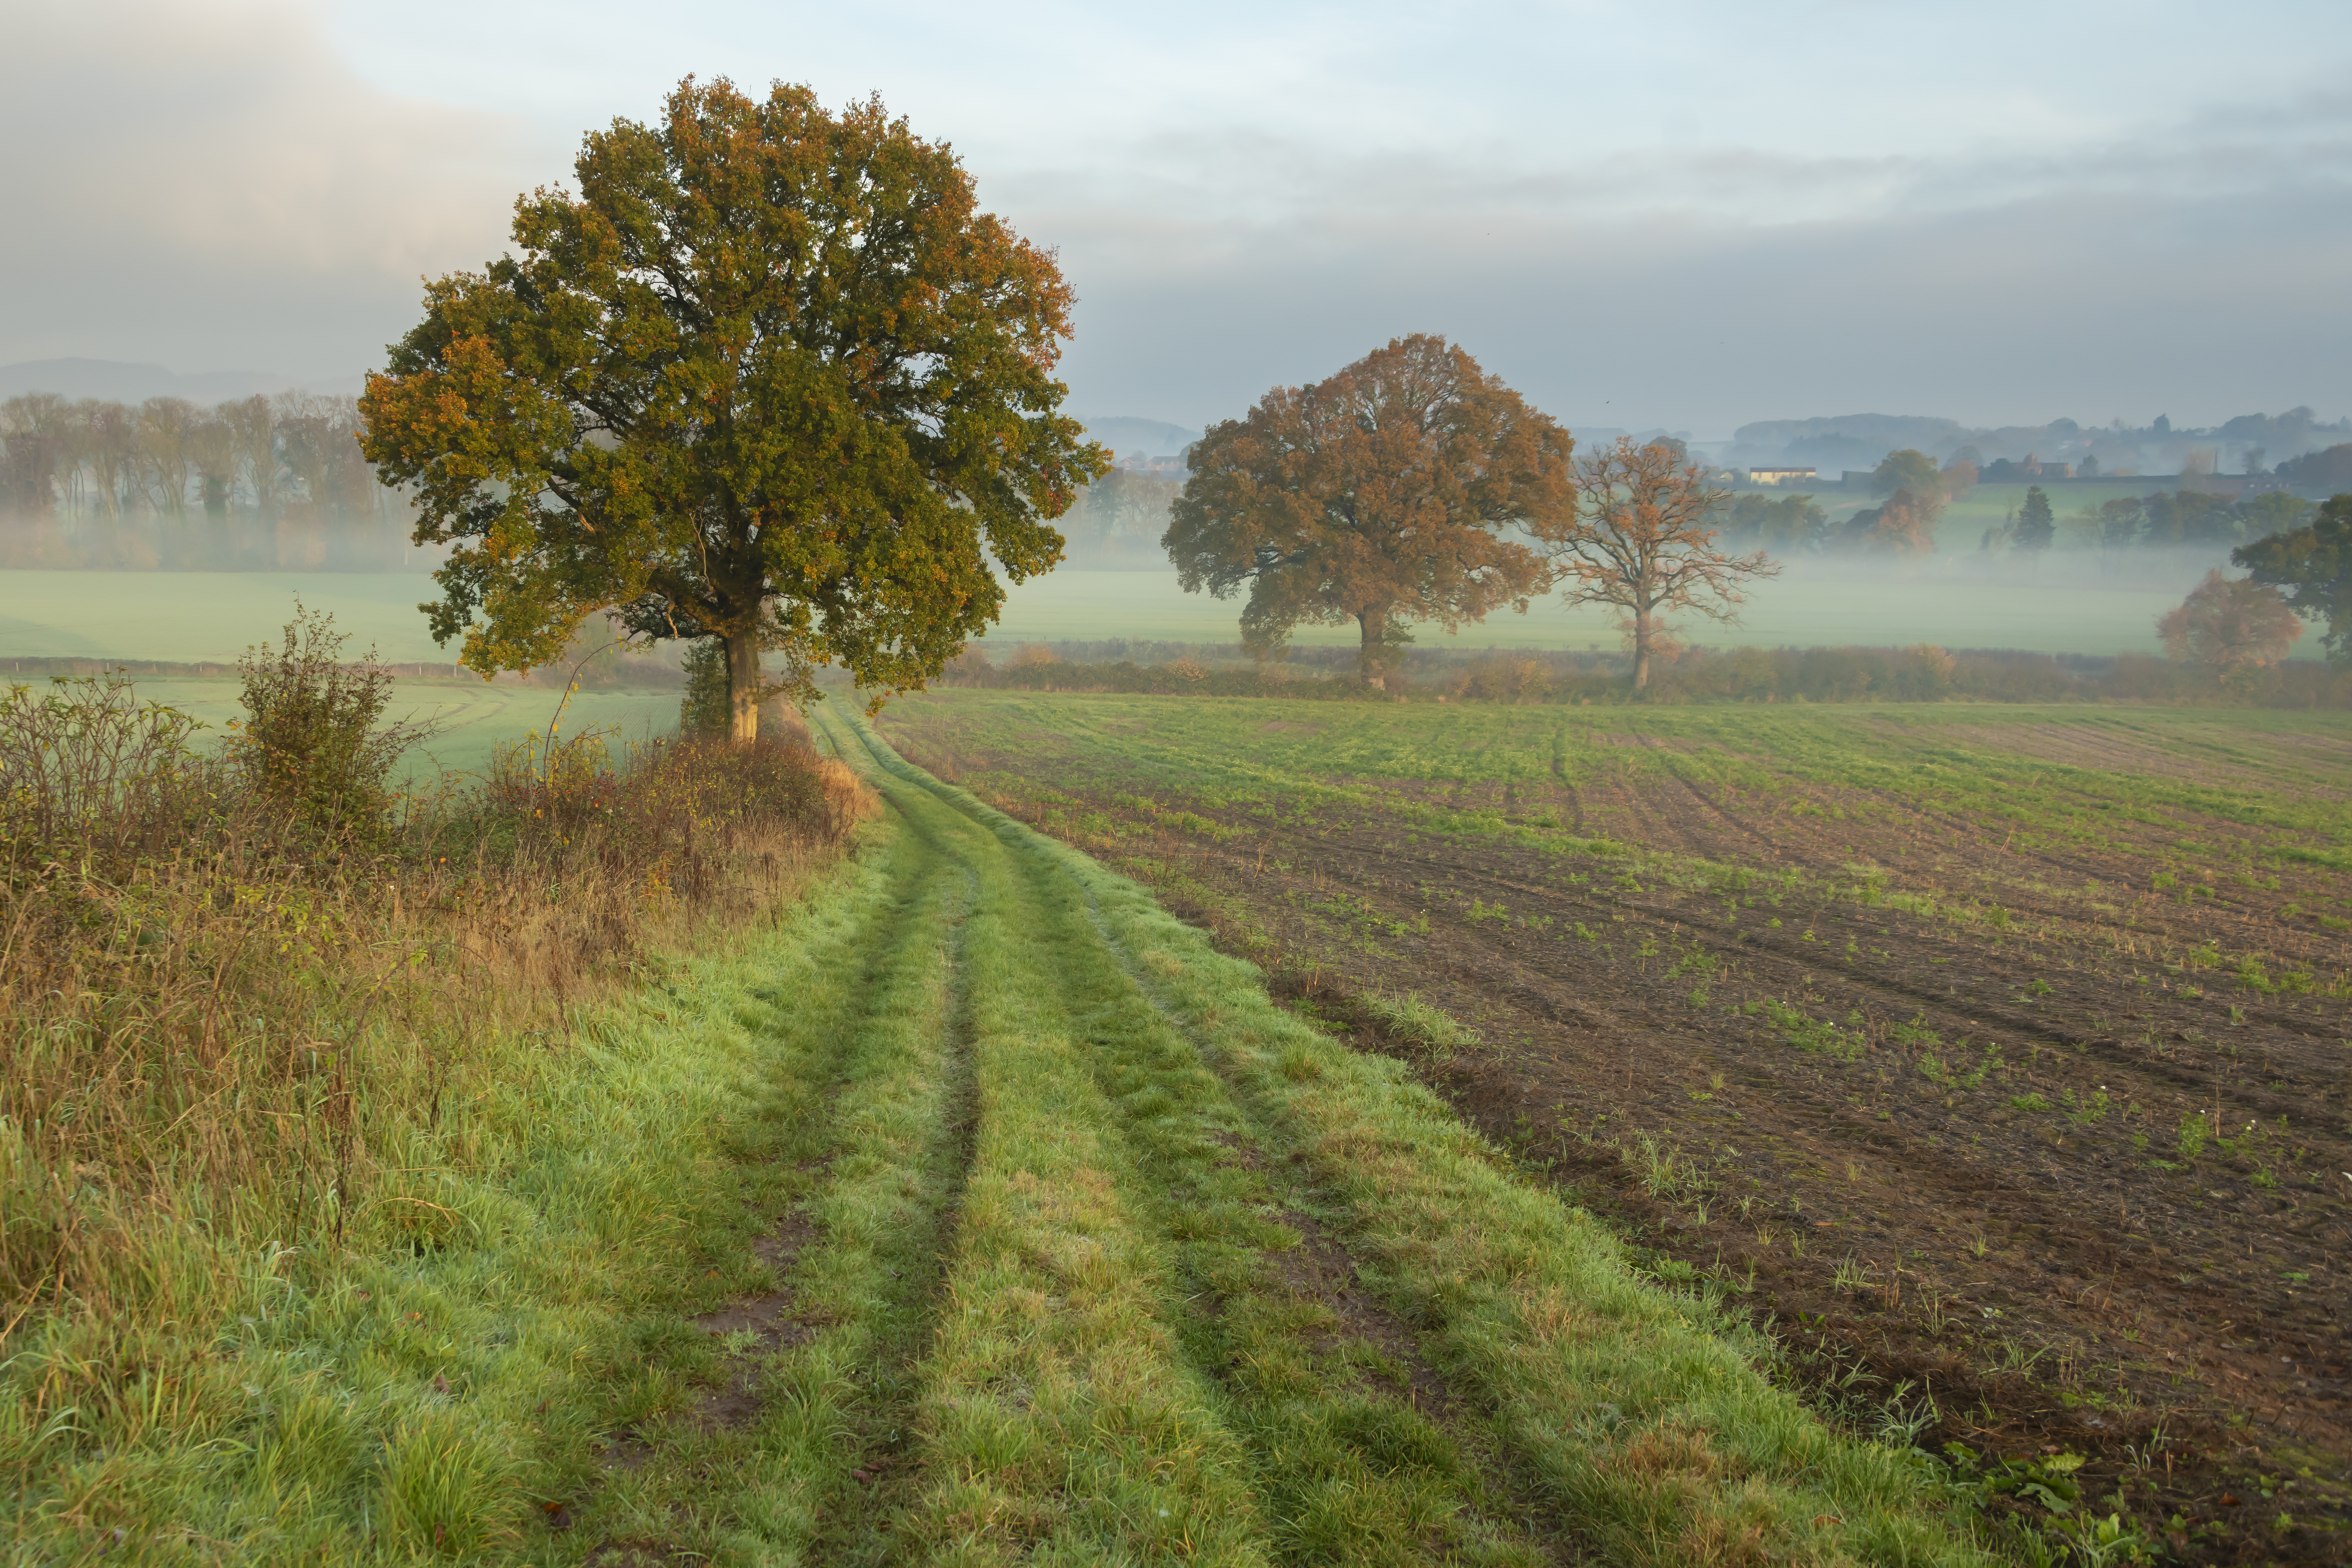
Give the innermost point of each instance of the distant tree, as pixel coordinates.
(1958, 478)
(164, 432)
(2254, 456)
(2273, 511)
(1906, 525)
(1907, 471)
(2089, 467)
(1642, 539)
(2312, 566)
(212, 445)
(253, 431)
(33, 432)
(2328, 470)
(2120, 521)
(2036, 528)
(2229, 625)
(109, 446)
(1783, 525)
(769, 378)
(2187, 516)
(1383, 495)
(1122, 506)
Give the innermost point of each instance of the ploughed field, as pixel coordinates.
(1996, 1056)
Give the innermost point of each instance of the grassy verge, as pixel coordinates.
(330, 1175)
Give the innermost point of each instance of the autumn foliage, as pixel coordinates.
(1387, 493)
(2229, 625)
(770, 379)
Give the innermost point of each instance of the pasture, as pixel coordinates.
(1995, 1057)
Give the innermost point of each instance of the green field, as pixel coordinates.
(469, 716)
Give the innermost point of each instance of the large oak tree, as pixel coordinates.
(1642, 540)
(1386, 494)
(769, 377)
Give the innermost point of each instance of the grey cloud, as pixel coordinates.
(2088, 308)
(209, 184)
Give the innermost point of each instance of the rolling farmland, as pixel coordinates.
(1995, 1056)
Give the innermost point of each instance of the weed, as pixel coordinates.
(2190, 1137)
(1431, 1027)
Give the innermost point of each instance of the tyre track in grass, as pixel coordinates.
(806, 1390)
(1146, 1349)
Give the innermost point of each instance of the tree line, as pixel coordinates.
(255, 484)
(171, 456)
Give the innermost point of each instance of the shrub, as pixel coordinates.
(310, 740)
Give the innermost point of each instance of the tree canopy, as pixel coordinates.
(2312, 568)
(1383, 495)
(1642, 538)
(768, 378)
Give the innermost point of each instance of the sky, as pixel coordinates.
(1680, 214)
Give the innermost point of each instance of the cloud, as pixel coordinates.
(209, 183)
(2084, 305)
(1690, 214)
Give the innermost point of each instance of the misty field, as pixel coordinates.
(1996, 1057)
(188, 616)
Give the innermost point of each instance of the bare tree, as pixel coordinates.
(252, 427)
(165, 452)
(110, 450)
(32, 428)
(212, 446)
(1642, 538)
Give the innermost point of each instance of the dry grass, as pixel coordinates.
(230, 1030)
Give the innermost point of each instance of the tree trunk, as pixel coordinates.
(1641, 650)
(743, 686)
(1373, 660)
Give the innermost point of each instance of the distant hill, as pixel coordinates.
(1133, 437)
(118, 382)
(1887, 432)
(1847, 442)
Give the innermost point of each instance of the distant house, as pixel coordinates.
(1780, 476)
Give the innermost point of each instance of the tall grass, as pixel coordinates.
(246, 999)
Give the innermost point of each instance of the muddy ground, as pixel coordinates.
(2081, 1187)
